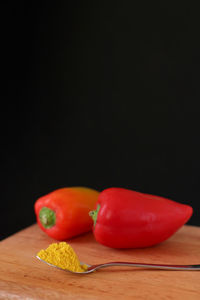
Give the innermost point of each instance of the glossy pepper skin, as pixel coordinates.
(64, 213)
(127, 219)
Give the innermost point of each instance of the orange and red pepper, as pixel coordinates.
(64, 213)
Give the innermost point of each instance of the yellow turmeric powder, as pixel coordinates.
(62, 255)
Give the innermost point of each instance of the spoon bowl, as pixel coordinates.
(92, 268)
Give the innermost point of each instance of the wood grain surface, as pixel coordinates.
(22, 276)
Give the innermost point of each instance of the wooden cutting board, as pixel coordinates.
(22, 276)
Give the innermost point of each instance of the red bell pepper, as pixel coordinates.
(127, 219)
(64, 213)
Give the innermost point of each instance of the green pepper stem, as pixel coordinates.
(94, 213)
(47, 217)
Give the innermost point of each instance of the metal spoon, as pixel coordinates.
(130, 264)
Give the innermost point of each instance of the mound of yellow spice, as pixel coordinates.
(62, 255)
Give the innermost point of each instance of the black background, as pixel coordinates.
(99, 94)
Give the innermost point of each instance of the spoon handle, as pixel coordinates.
(151, 266)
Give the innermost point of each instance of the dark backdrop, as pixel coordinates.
(99, 94)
